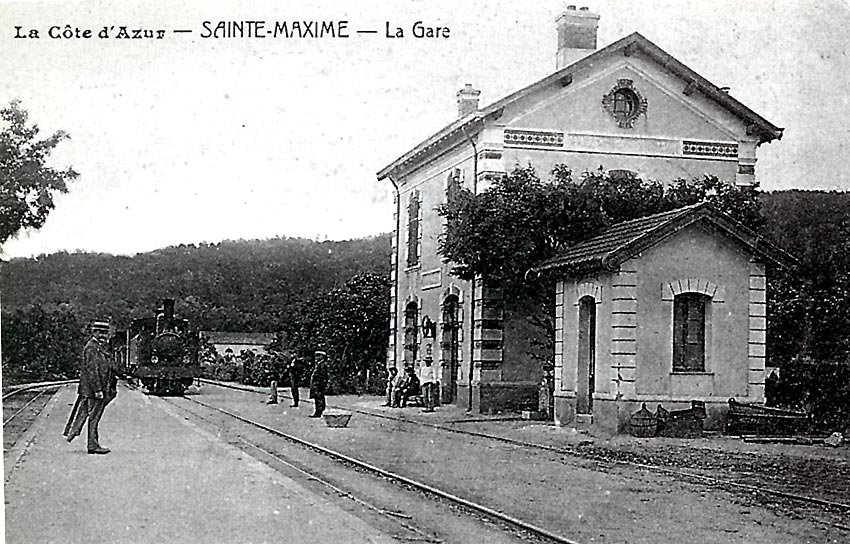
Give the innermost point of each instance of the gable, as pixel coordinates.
(671, 117)
(643, 57)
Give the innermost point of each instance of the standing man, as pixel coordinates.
(319, 383)
(98, 386)
(293, 381)
(391, 374)
(428, 380)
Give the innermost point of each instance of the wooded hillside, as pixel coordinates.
(233, 285)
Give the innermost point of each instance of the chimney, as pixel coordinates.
(168, 308)
(576, 35)
(467, 100)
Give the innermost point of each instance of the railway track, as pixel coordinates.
(32, 394)
(841, 509)
(523, 530)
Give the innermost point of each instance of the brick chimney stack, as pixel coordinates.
(467, 100)
(576, 35)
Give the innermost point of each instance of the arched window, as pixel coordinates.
(689, 310)
(411, 333)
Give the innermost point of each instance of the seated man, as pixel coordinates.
(410, 388)
(399, 384)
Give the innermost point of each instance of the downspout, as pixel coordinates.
(472, 307)
(395, 282)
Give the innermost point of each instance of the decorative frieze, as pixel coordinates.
(537, 138)
(709, 149)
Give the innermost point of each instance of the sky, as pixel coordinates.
(190, 139)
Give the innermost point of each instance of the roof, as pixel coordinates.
(470, 124)
(243, 338)
(623, 241)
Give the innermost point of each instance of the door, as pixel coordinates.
(450, 346)
(586, 355)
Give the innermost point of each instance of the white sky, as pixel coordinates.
(185, 140)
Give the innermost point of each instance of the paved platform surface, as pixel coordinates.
(166, 480)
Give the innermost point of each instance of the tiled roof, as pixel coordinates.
(624, 240)
(244, 338)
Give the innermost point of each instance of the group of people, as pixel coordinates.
(99, 386)
(401, 387)
(318, 384)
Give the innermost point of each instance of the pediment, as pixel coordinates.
(585, 104)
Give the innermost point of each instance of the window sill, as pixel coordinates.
(687, 373)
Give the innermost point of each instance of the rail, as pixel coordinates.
(478, 508)
(715, 482)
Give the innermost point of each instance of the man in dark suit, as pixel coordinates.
(98, 386)
(293, 381)
(319, 383)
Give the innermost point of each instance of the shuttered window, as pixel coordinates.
(413, 230)
(689, 332)
(453, 185)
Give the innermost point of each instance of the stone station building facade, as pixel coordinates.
(628, 106)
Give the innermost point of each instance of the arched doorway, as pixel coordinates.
(586, 355)
(450, 346)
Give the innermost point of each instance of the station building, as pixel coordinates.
(629, 106)
(231, 344)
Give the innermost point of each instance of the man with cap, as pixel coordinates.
(98, 386)
(293, 381)
(319, 383)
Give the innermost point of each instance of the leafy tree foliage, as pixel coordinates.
(27, 183)
(350, 324)
(808, 306)
(41, 343)
(522, 220)
(247, 286)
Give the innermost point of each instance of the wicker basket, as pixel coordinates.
(337, 420)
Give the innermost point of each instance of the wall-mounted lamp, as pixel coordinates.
(429, 328)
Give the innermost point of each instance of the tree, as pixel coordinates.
(350, 324)
(41, 344)
(520, 221)
(27, 183)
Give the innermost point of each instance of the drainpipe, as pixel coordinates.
(472, 306)
(395, 282)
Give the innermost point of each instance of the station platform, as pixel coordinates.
(165, 480)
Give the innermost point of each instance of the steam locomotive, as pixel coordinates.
(162, 352)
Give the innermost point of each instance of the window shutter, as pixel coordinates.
(689, 333)
(413, 220)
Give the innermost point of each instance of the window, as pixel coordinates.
(620, 174)
(626, 104)
(453, 185)
(411, 333)
(413, 230)
(689, 311)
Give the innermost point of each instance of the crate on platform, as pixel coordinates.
(337, 419)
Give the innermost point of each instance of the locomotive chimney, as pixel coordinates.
(168, 308)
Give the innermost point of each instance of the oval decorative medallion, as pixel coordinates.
(624, 103)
